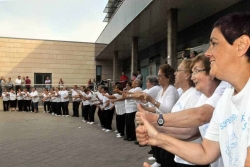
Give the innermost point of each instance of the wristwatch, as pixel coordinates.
(160, 120)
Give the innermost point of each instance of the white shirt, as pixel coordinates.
(47, 82)
(74, 93)
(25, 96)
(105, 101)
(130, 104)
(5, 96)
(119, 105)
(153, 92)
(33, 98)
(58, 96)
(187, 100)
(64, 93)
(230, 126)
(85, 102)
(12, 96)
(44, 95)
(212, 101)
(19, 96)
(167, 100)
(18, 81)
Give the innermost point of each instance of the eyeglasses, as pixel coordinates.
(179, 70)
(159, 76)
(196, 71)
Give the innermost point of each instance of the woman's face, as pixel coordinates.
(162, 79)
(199, 77)
(181, 76)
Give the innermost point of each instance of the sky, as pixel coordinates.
(65, 20)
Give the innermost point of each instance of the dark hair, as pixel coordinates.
(130, 84)
(105, 88)
(233, 26)
(119, 87)
(168, 72)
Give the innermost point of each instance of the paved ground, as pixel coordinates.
(43, 140)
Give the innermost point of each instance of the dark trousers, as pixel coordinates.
(46, 105)
(100, 115)
(58, 108)
(18, 87)
(85, 112)
(166, 158)
(20, 105)
(108, 117)
(185, 165)
(92, 113)
(76, 108)
(28, 105)
(6, 105)
(120, 123)
(65, 108)
(53, 107)
(130, 125)
(25, 104)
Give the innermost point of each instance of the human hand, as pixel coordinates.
(146, 134)
(147, 97)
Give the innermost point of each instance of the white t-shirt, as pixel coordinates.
(85, 102)
(25, 96)
(212, 101)
(19, 96)
(187, 100)
(230, 126)
(5, 96)
(58, 96)
(44, 95)
(12, 96)
(74, 93)
(18, 82)
(167, 100)
(33, 98)
(104, 102)
(130, 104)
(64, 93)
(153, 92)
(119, 105)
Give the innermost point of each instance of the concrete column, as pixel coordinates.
(172, 38)
(115, 66)
(134, 55)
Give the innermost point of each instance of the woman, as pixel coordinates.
(65, 101)
(120, 109)
(58, 102)
(19, 97)
(228, 133)
(23, 82)
(61, 83)
(26, 100)
(134, 75)
(85, 96)
(53, 101)
(46, 101)
(92, 108)
(35, 99)
(6, 99)
(12, 100)
(76, 101)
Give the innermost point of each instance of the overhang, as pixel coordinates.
(150, 25)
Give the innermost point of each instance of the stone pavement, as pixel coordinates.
(43, 140)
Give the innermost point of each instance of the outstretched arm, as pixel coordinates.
(207, 152)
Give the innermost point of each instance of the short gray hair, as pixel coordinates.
(152, 79)
(138, 82)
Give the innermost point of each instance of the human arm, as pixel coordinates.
(247, 162)
(192, 117)
(207, 152)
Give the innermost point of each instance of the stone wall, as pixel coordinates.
(72, 61)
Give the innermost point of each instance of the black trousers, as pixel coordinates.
(25, 104)
(100, 115)
(108, 117)
(6, 105)
(120, 123)
(185, 165)
(130, 125)
(166, 158)
(18, 87)
(58, 108)
(20, 105)
(85, 112)
(46, 105)
(92, 113)
(53, 107)
(76, 108)
(65, 108)
(28, 105)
